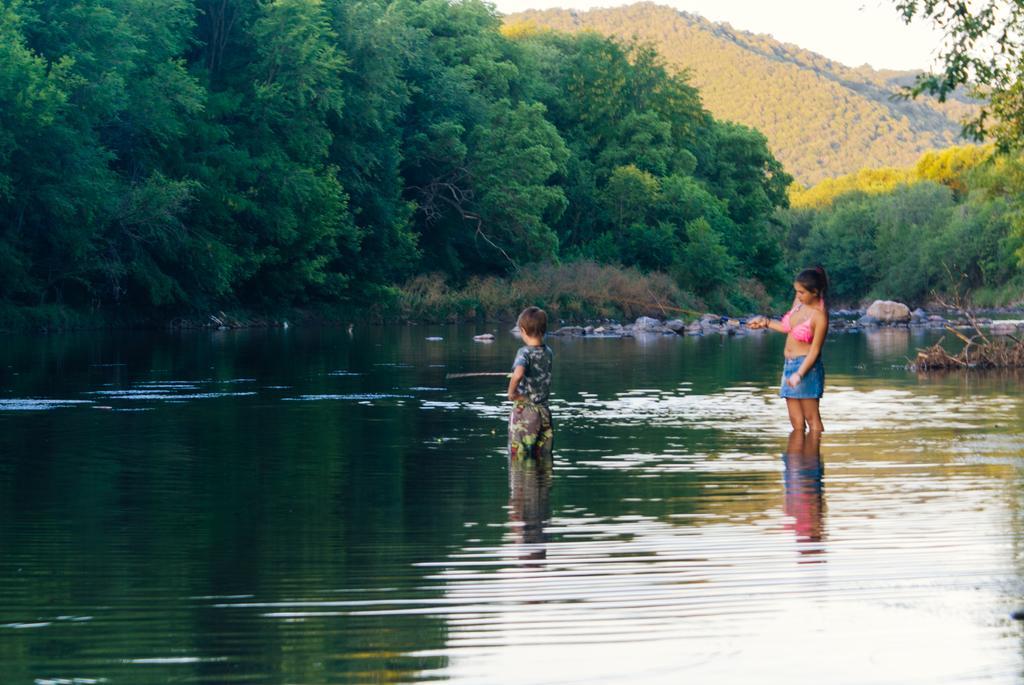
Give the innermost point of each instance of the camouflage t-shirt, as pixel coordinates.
(536, 382)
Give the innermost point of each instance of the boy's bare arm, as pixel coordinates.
(513, 383)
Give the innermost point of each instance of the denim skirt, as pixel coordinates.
(810, 387)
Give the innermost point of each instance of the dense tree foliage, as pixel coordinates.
(162, 155)
(821, 118)
(948, 224)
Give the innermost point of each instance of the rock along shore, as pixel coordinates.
(881, 314)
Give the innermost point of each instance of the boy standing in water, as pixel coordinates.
(530, 432)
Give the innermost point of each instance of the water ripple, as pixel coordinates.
(31, 404)
(755, 409)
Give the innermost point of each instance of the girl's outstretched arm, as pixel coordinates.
(765, 322)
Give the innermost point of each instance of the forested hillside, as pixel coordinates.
(821, 118)
(162, 156)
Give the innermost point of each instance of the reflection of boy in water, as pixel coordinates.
(529, 503)
(530, 432)
(805, 500)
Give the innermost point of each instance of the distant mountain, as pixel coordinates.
(822, 119)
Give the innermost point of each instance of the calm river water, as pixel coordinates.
(306, 506)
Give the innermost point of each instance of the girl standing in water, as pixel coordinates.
(805, 326)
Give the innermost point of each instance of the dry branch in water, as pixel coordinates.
(980, 351)
(994, 354)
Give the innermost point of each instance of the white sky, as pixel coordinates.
(853, 32)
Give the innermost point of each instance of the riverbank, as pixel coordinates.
(59, 319)
(840, 321)
(584, 298)
(53, 320)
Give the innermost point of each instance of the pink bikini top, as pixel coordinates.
(802, 332)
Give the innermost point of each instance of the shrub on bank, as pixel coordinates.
(1008, 295)
(574, 291)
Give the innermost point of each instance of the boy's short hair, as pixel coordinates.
(533, 321)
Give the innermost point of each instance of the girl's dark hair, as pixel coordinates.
(814, 279)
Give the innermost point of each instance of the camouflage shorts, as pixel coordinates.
(530, 432)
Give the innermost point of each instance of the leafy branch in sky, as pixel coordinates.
(982, 49)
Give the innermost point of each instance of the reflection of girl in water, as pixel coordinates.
(805, 500)
(529, 503)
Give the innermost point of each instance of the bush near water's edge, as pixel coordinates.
(574, 292)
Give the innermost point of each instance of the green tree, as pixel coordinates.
(979, 247)
(843, 240)
(515, 156)
(704, 265)
(272, 217)
(909, 222)
(645, 150)
(630, 195)
(33, 94)
(89, 178)
(366, 146)
(458, 68)
(299, 219)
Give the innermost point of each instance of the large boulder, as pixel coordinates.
(887, 311)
